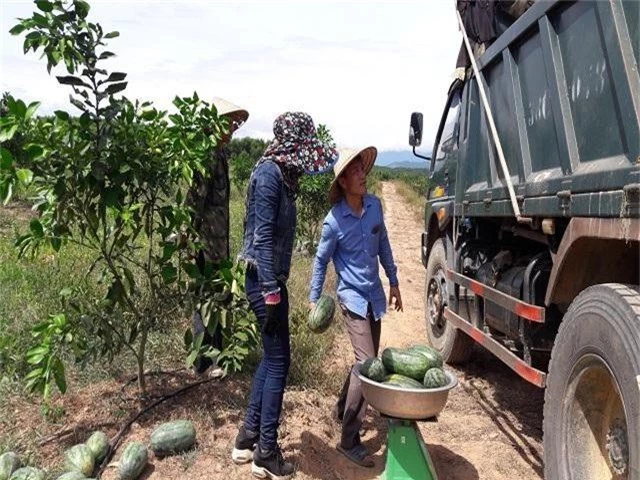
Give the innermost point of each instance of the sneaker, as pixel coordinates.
(271, 465)
(246, 442)
(202, 371)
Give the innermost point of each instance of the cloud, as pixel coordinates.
(360, 67)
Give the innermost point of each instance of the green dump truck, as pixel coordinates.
(537, 258)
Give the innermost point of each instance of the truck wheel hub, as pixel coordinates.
(618, 447)
(436, 301)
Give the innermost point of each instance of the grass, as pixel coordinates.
(29, 288)
(413, 198)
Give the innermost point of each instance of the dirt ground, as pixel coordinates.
(491, 428)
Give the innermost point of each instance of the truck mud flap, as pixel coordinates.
(527, 372)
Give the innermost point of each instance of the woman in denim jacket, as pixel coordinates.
(270, 225)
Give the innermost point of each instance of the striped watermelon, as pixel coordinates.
(321, 316)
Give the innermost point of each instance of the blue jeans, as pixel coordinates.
(265, 403)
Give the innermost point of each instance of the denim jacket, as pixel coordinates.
(269, 226)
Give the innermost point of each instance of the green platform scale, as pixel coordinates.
(407, 454)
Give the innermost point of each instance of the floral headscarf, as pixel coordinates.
(297, 145)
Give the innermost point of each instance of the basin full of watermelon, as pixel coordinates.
(406, 383)
(416, 367)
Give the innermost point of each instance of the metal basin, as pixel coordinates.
(406, 403)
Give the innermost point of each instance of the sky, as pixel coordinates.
(360, 67)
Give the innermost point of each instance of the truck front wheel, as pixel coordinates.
(454, 345)
(592, 400)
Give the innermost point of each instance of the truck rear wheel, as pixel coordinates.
(454, 345)
(592, 401)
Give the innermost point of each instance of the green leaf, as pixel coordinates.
(71, 80)
(130, 279)
(111, 198)
(112, 35)
(33, 358)
(7, 134)
(40, 20)
(44, 5)
(6, 159)
(18, 29)
(116, 87)
(188, 338)
(105, 55)
(85, 119)
(31, 110)
(242, 336)
(115, 77)
(134, 333)
(36, 228)
(59, 376)
(192, 270)
(33, 374)
(168, 250)
(191, 358)
(24, 175)
(56, 243)
(169, 274)
(34, 151)
(62, 115)
(115, 293)
(82, 8)
(20, 108)
(6, 190)
(198, 341)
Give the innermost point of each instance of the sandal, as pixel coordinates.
(357, 455)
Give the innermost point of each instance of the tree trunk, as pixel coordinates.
(142, 385)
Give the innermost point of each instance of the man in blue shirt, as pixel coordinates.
(354, 236)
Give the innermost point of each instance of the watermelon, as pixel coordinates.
(98, 443)
(133, 460)
(434, 357)
(405, 362)
(9, 463)
(321, 316)
(173, 437)
(72, 476)
(373, 369)
(27, 473)
(79, 459)
(398, 380)
(435, 378)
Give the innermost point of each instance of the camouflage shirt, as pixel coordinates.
(210, 200)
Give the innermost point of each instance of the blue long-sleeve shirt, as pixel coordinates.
(355, 244)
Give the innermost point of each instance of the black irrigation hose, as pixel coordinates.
(115, 441)
(132, 379)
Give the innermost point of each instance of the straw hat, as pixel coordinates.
(236, 114)
(348, 155)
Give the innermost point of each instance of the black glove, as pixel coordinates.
(271, 323)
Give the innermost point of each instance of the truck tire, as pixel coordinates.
(454, 345)
(592, 401)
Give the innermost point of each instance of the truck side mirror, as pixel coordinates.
(415, 129)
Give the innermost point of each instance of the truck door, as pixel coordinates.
(444, 162)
